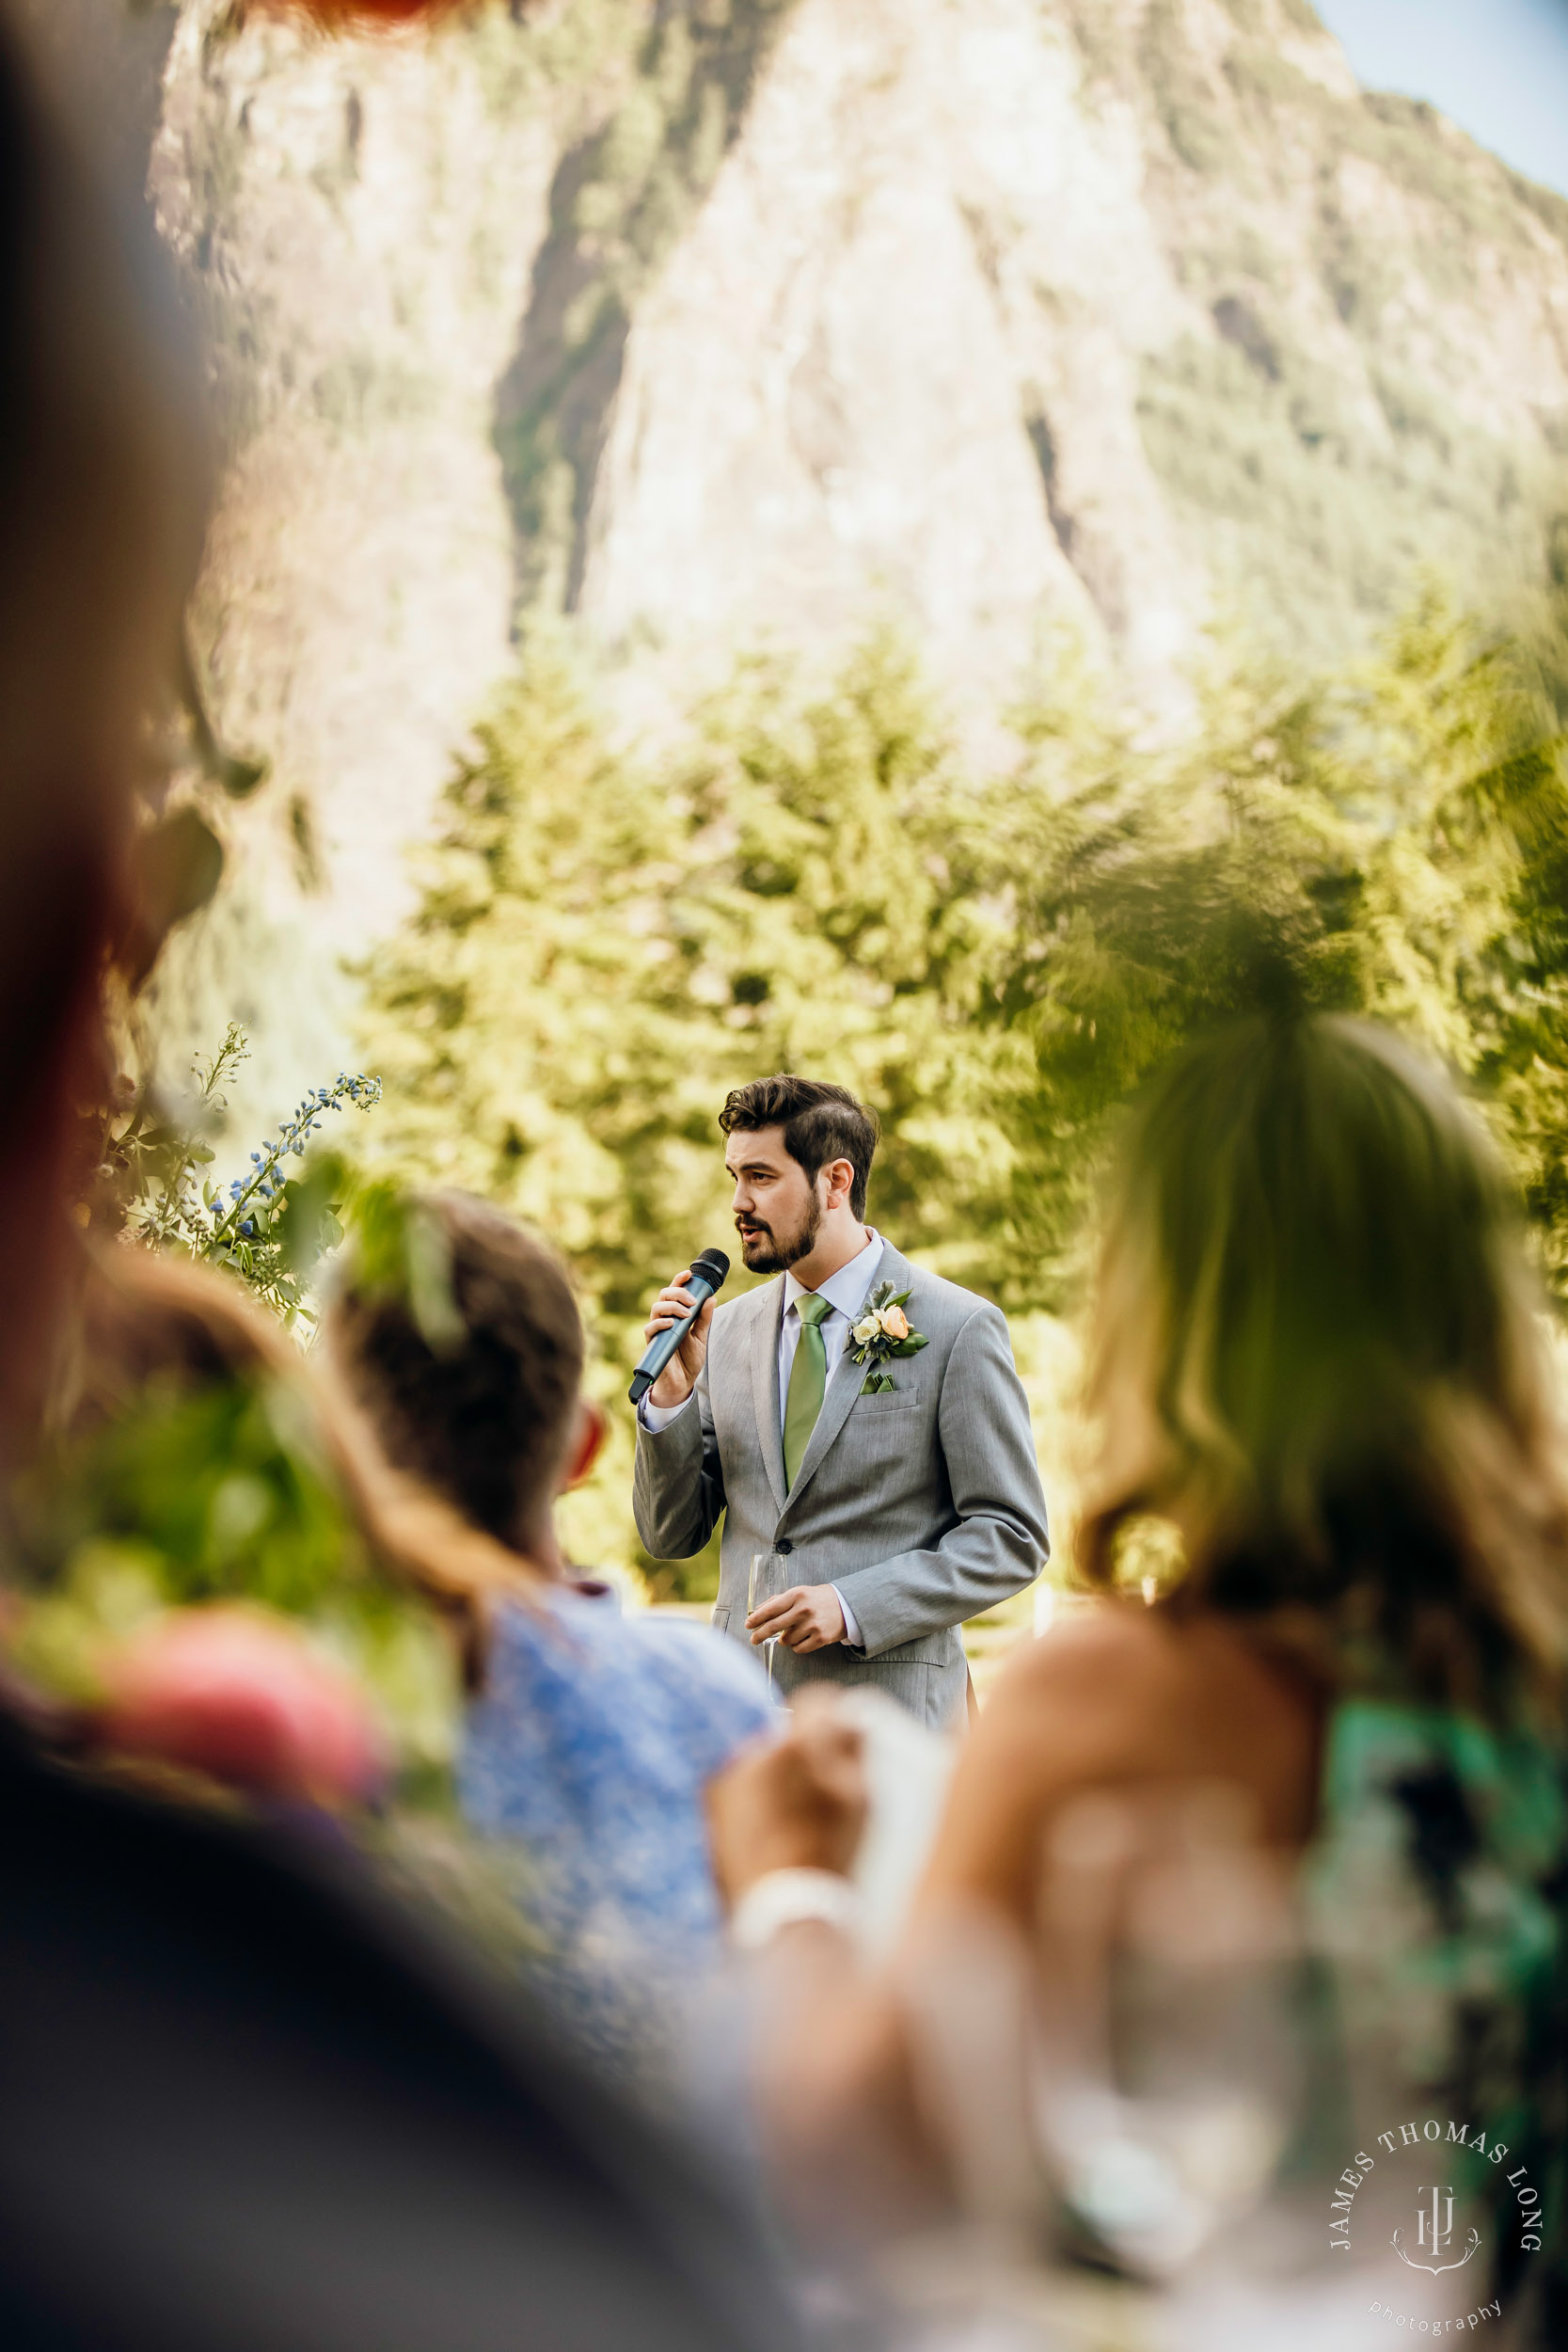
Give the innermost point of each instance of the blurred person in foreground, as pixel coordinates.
(1316, 1354)
(185, 1463)
(590, 1734)
(242, 2100)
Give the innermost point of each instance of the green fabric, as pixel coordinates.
(1470, 1907)
(808, 1382)
(1436, 1892)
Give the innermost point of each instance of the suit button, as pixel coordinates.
(784, 1548)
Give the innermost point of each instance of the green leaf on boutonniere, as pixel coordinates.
(912, 1347)
(899, 1298)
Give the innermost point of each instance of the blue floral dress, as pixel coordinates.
(588, 1752)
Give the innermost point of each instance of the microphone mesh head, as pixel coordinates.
(713, 1265)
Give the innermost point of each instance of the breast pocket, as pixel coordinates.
(886, 1400)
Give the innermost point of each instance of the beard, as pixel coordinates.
(766, 1253)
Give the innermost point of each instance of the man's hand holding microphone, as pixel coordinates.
(675, 1304)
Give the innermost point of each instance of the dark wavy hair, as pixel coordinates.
(820, 1123)
(1319, 1351)
(480, 1405)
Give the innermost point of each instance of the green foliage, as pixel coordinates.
(402, 1251)
(1389, 843)
(270, 1229)
(216, 1488)
(813, 881)
(212, 1492)
(603, 952)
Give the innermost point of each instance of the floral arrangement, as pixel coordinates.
(882, 1333)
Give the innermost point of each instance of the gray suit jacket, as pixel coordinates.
(923, 1504)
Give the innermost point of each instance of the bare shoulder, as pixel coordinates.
(1122, 1697)
(1144, 1670)
(1100, 1651)
(1092, 1705)
(1102, 1688)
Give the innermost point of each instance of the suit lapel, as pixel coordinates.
(765, 1385)
(848, 1377)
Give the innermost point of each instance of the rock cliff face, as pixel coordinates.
(1121, 310)
(741, 317)
(358, 221)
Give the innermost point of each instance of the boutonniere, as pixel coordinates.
(881, 1334)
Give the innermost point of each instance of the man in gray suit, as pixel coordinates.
(902, 1491)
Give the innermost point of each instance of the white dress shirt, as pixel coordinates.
(846, 1292)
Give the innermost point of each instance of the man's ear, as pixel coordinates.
(592, 1426)
(841, 1179)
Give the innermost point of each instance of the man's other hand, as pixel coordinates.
(679, 1377)
(807, 1617)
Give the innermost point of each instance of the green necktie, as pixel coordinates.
(808, 1382)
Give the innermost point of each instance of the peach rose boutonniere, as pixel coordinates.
(881, 1334)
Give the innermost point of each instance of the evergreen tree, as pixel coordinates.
(603, 951)
(1392, 842)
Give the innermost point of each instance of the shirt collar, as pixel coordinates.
(848, 1289)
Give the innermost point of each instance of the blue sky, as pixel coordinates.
(1497, 67)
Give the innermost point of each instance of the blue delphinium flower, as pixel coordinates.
(268, 1184)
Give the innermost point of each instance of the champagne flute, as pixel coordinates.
(770, 1576)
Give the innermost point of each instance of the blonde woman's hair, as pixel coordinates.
(1318, 1349)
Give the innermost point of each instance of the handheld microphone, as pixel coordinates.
(707, 1277)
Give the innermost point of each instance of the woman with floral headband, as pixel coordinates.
(457, 1354)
